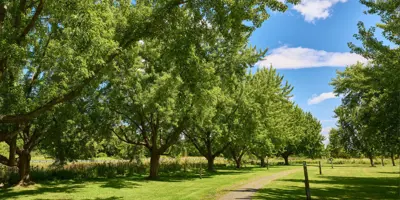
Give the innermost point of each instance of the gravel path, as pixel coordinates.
(247, 190)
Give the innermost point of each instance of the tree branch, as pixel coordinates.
(38, 71)
(126, 140)
(31, 24)
(174, 136)
(3, 12)
(4, 160)
(196, 144)
(6, 136)
(221, 150)
(33, 139)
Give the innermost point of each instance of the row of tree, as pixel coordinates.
(368, 117)
(150, 73)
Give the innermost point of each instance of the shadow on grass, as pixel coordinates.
(119, 183)
(70, 186)
(11, 194)
(108, 198)
(389, 172)
(184, 176)
(339, 188)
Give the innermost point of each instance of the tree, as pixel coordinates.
(272, 97)
(212, 126)
(311, 144)
(292, 133)
(335, 146)
(73, 131)
(243, 124)
(151, 111)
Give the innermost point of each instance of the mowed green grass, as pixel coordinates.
(168, 187)
(342, 182)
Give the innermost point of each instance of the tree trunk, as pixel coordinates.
(24, 168)
(382, 161)
(13, 148)
(262, 162)
(238, 163)
(286, 157)
(210, 163)
(154, 165)
(371, 160)
(268, 163)
(393, 161)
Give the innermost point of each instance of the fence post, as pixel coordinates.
(320, 168)
(201, 169)
(306, 182)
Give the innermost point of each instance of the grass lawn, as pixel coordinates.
(168, 187)
(342, 182)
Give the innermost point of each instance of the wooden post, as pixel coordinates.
(306, 182)
(201, 169)
(320, 168)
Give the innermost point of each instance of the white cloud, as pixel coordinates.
(325, 131)
(286, 57)
(316, 99)
(316, 9)
(328, 120)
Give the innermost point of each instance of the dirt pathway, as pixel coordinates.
(247, 190)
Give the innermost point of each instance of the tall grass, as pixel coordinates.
(118, 168)
(106, 169)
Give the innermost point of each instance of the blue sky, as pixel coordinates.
(307, 44)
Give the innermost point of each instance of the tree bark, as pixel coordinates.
(13, 149)
(154, 165)
(238, 163)
(24, 168)
(393, 161)
(286, 157)
(371, 160)
(382, 161)
(262, 163)
(210, 164)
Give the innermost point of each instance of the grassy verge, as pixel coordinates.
(342, 182)
(173, 186)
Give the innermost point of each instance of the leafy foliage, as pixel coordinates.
(368, 116)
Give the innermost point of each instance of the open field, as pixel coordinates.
(168, 187)
(342, 182)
